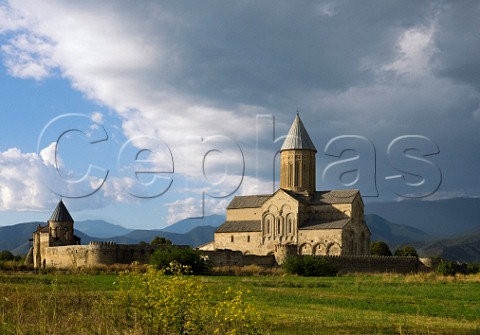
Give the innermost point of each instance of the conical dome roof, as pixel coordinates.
(61, 214)
(297, 137)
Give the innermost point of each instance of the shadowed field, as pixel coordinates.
(376, 304)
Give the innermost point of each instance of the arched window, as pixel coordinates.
(290, 225)
(267, 224)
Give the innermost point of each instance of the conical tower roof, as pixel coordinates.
(297, 137)
(61, 214)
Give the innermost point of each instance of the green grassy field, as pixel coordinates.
(367, 304)
(364, 304)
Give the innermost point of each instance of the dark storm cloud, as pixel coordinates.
(266, 52)
(457, 38)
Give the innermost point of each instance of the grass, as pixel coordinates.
(359, 304)
(380, 304)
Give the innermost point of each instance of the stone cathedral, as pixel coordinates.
(296, 218)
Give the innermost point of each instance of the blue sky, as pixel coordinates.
(199, 94)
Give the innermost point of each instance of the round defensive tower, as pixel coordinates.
(282, 251)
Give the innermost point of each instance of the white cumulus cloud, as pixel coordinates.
(21, 186)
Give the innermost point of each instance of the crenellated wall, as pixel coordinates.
(359, 263)
(345, 264)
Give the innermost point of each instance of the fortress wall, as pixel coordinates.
(230, 257)
(129, 253)
(96, 253)
(375, 263)
(345, 264)
(71, 256)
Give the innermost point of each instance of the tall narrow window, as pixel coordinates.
(231, 238)
(296, 175)
(248, 238)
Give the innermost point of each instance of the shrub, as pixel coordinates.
(380, 248)
(309, 266)
(162, 258)
(163, 304)
(157, 303)
(446, 268)
(473, 268)
(234, 315)
(6, 255)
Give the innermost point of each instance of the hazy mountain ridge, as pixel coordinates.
(441, 218)
(463, 247)
(15, 238)
(186, 225)
(454, 223)
(392, 233)
(101, 228)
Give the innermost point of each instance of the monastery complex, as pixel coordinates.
(296, 218)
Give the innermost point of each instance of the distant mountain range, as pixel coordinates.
(101, 229)
(441, 218)
(394, 234)
(15, 237)
(457, 236)
(463, 247)
(186, 225)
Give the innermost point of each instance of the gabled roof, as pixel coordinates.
(318, 197)
(297, 137)
(325, 197)
(240, 226)
(317, 225)
(61, 214)
(248, 201)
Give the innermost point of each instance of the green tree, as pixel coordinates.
(6, 255)
(160, 240)
(186, 256)
(406, 251)
(446, 268)
(380, 248)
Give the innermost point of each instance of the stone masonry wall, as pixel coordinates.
(96, 253)
(230, 257)
(345, 264)
(246, 242)
(375, 263)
